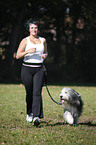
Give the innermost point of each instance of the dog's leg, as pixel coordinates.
(76, 119)
(68, 117)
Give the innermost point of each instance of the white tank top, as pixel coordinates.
(34, 57)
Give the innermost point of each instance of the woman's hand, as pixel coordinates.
(44, 56)
(31, 50)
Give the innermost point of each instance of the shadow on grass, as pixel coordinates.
(88, 123)
(46, 123)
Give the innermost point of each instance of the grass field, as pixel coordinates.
(14, 130)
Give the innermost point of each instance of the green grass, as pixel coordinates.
(14, 130)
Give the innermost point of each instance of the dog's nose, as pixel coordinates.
(60, 97)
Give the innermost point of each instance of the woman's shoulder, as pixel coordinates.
(24, 40)
(43, 39)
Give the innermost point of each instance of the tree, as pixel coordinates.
(68, 25)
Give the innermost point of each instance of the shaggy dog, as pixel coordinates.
(72, 104)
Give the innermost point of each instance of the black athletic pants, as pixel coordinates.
(32, 78)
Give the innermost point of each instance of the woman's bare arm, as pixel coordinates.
(45, 54)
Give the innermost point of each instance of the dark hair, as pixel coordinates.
(33, 21)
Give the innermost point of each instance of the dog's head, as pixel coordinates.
(70, 96)
(64, 95)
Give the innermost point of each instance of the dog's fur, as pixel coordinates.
(72, 104)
